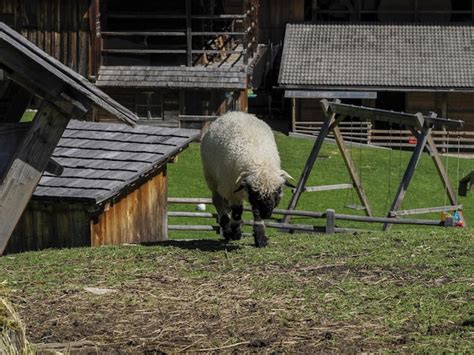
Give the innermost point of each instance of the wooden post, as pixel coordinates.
(330, 221)
(27, 167)
(293, 114)
(415, 158)
(352, 171)
(309, 166)
(189, 39)
(243, 101)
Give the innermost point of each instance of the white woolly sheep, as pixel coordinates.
(241, 160)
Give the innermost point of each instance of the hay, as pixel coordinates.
(12, 331)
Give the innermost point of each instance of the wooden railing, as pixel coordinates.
(237, 35)
(330, 217)
(357, 132)
(363, 132)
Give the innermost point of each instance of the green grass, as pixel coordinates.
(409, 290)
(380, 170)
(401, 291)
(28, 116)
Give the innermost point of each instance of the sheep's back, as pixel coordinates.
(236, 142)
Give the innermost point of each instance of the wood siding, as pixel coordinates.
(51, 225)
(275, 14)
(459, 105)
(59, 27)
(139, 217)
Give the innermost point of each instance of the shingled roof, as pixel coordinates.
(340, 55)
(100, 160)
(173, 77)
(48, 78)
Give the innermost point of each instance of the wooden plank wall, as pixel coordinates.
(459, 106)
(59, 27)
(139, 217)
(51, 225)
(275, 14)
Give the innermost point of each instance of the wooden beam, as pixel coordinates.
(408, 119)
(415, 158)
(425, 210)
(27, 167)
(293, 114)
(318, 94)
(313, 156)
(328, 187)
(243, 101)
(189, 38)
(356, 181)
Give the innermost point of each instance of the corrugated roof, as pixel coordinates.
(101, 159)
(378, 55)
(173, 77)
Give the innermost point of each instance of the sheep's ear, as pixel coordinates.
(287, 177)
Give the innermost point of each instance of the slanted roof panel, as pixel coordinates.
(98, 169)
(173, 77)
(47, 77)
(378, 55)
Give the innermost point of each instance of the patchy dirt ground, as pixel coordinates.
(344, 295)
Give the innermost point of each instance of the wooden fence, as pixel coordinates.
(363, 132)
(330, 217)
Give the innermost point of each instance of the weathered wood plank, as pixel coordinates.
(28, 166)
(415, 158)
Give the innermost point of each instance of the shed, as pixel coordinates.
(63, 93)
(406, 67)
(113, 189)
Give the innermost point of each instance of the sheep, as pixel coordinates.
(240, 160)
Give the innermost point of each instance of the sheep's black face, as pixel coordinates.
(264, 205)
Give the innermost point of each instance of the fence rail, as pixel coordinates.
(363, 132)
(330, 217)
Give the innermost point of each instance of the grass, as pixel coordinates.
(409, 290)
(371, 292)
(380, 170)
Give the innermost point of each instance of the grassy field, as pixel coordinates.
(410, 290)
(381, 172)
(402, 291)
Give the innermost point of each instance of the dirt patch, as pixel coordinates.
(160, 312)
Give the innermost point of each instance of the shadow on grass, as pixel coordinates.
(209, 245)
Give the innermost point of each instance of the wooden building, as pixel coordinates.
(62, 94)
(113, 189)
(354, 51)
(181, 58)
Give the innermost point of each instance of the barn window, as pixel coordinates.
(148, 105)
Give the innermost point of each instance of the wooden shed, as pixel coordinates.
(113, 189)
(63, 94)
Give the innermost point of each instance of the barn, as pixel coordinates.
(389, 66)
(113, 188)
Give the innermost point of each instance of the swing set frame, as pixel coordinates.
(421, 127)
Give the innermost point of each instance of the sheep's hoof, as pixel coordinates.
(236, 232)
(261, 242)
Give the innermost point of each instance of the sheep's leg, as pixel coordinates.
(223, 217)
(236, 222)
(261, 240)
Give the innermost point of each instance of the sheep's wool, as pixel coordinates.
(239, 145)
